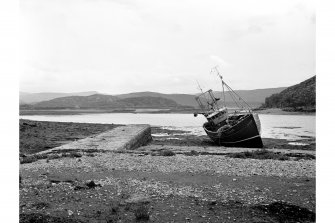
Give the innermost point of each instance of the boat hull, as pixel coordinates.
(244, 134)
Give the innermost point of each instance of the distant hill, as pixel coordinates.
(29, 98)
(254, 97)
(300, 96)
(182, 99)
(100, 101)
(91, 101)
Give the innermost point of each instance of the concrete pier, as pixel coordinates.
(127, 137)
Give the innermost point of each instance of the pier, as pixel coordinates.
(127, 137)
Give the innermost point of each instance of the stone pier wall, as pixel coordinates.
(127, 137)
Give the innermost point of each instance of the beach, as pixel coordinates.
(177, 177)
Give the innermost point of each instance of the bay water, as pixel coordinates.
(290, 127)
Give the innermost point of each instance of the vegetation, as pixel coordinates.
(300, 97)
(254, 97)
(100, 101)
(259, 154)
(29, 98)
(113, 213)
(142, 213)
(28, 159)
(41, 205)
(167, 153)
(285, 212)
(266, 154)
(192, 153)
(39, 217)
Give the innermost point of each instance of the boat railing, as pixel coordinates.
(207, 101)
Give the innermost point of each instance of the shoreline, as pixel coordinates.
(273, 111)
(36, 136)
(278, 111)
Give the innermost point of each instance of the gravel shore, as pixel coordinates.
(210, 164)
(186, 186)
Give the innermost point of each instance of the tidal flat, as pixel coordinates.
(178, 177)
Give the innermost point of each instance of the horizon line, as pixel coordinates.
(98, 92)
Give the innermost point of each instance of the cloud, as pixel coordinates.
(220, 62)
(164, 44)
(313, 18)
(255, 29)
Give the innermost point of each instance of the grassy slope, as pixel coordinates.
(300, 95)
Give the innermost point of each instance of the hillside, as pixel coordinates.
(297, 97)
(92, 101)
(182, 99)
(254, 97)
(100, 101)
(29, 98)
(148, 102)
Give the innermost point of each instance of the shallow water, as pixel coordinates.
(291, 127)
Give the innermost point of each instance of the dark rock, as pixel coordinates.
(285, 212)
(28, 159)
(142, 213)
(91, 184)
(41, 205)
(39, 218)
(78, 187)
(58, 179)
(212, 202)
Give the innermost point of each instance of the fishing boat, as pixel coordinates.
(239, 127)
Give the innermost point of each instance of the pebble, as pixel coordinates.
(190, 164)
(138, 198)
(209, 164)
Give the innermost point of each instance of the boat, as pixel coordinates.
(238, 127)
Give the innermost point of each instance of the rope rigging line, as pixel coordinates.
(238, 104)
(232, 96)
(238, 96)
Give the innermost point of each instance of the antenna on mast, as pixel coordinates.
(199, 87)
(222, 82)
(217, 72)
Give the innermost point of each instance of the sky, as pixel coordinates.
(167, 46)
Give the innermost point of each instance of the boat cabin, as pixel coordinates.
(217, 116)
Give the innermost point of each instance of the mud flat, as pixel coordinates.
(166, 183)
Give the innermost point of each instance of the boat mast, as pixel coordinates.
(231, 92)
(200, 87)
(222, 83)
